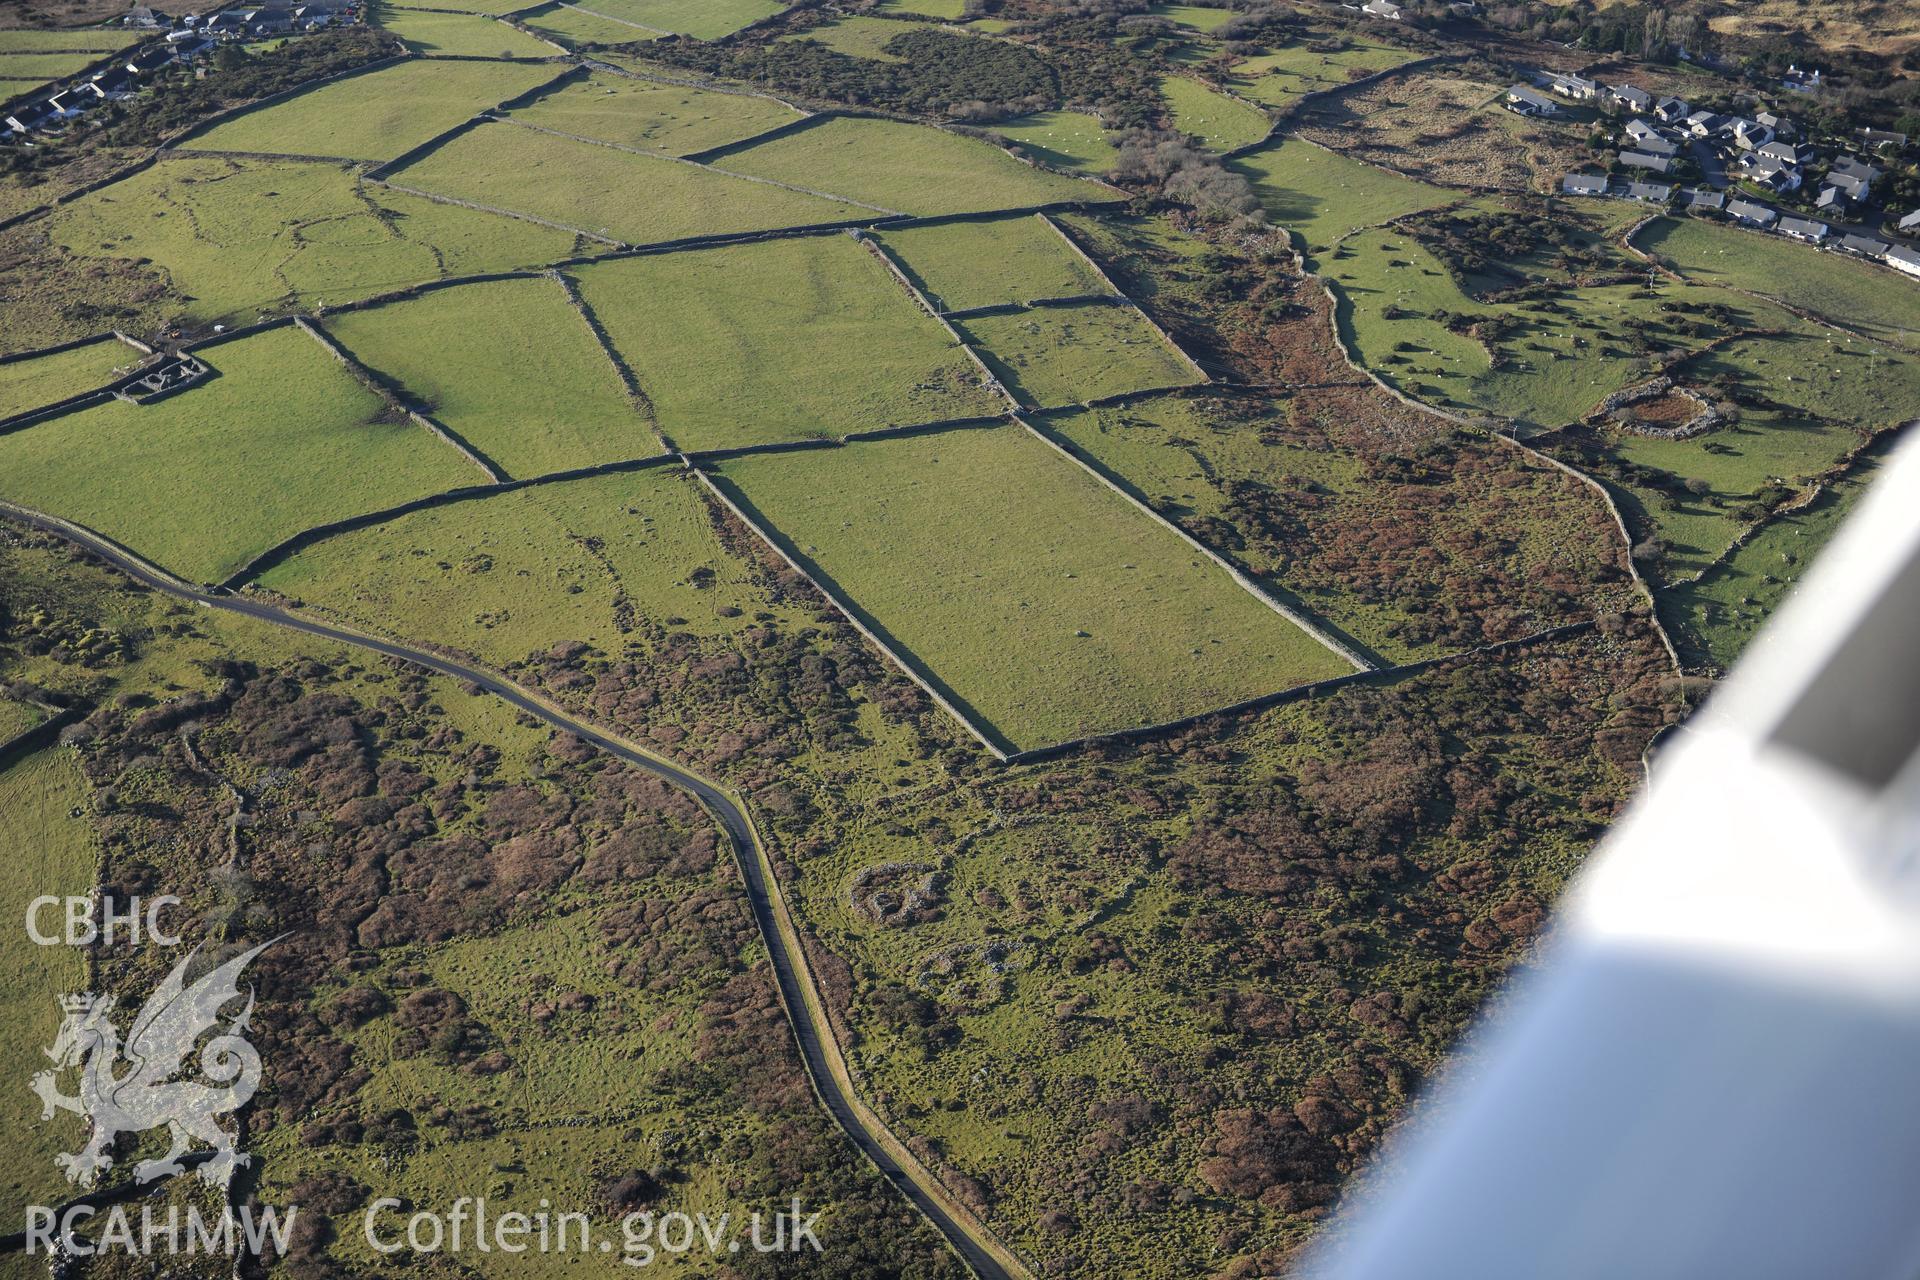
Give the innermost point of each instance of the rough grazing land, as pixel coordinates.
(779, 341)
(636, 198)
(1864, 297)
(1070, 140)
(1320, 196)
(603, 561)
(1279, 77)
(856, 37)
(1041, 599)
(670, 118)
(376, 115)
(461, 33)
(913, 168)
(241, 236)
(511, 367)
(960, 265)
(28, 384)
(1053, 356)
(1220, 122)
(283, 439)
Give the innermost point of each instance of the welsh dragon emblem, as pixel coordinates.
(131, 1087)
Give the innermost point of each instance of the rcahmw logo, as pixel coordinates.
(150, 1078)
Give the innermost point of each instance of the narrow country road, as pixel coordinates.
(981, 1253)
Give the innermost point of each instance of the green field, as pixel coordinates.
(1871, 299)
(461, 33)
(68, 41)
(1320, 196)
(517, 573)
(29, 384)
(1199, 17)
(669, 118)
(1053, 356)
(950, 10)
(283, 439)
(1071, 140)
(638, 199)
(41, 67)
(1220, 122)
(857, 37)
(1283, 75)
(912, 168)
(781, 340)
(701, 19)
(576, 27)
(462, 353)
(1039, 598)
(49, 851)
(961, 265)
(488, 8)
(1825, 394)
(241, 236)
(376, 115)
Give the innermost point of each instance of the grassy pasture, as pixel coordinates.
(461, 33)
(1320, 196)
(576, 27)
(635, 198)
(960, 265)
(28, 384)
(1199, 17)
(484, 8)
(857, 37)
(1280, 77)
(241, 236)
(1872, 299)
(701, 19)
(1041, 599)
(669, 118)
(950, 10)
(463, 353)
(1052, 356)
(512, 574)
(780, 340)
(1071, 140)
(1220, 122)
(99, 39)
(48, 852)
(281, 440)
(40, 67)
(913, 168)
(378, 114)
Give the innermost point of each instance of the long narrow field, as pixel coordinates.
(1043, 601)
(79, 40)
(638, 199)
(238, 236)
(961, 265)
(51, 848)
(508, 365)
(1052, 356)
(463, 34)
(1320, 196)
(604, 561)
(1872, 299)
(43, 380)
(282, 439)
(701, 19)
(780, 340)
(37, 68)
(376, 115)
(913, 168)
(574, 27)
(672, 119)
(1220, 122)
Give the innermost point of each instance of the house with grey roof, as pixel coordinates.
(1584, 184)
(1575, 88)
(1383, 9)
(1704, 200)
(1651, 192)
(1524, 101)
(1865, 246)
(1704, 124)
(1629, 98)
(1751, 135)
(1671, 110)
(1803, 229)
(1901, 258)
(1754, 214)
(1642, 160)
(1911, 222)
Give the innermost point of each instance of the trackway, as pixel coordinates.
(981, 1253)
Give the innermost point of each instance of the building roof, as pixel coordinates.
(1701, 198)
(1855, 167)
(1901, 256)
(1848, 185)
(1672, 106)
(1641, 160)
(1584, 184)
(1659, 192)
(1520, 93)
(1750, 211)
(1911, 221)
(1805, 228)
(1627, 93)
(1864, 245)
